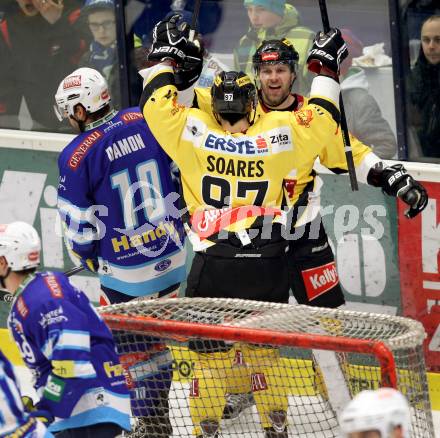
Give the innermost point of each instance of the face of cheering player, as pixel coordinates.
(28, 7)
(102, 24)
(430, 37)
(276, 82)
(261, 18)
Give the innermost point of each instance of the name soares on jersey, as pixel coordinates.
(247, 147)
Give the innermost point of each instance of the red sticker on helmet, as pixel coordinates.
(72, 81)
(33, 256)
(3, 228)
(270, 56)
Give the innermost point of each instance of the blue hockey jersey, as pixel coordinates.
(71, 351)
(14, 421)
(118, 203)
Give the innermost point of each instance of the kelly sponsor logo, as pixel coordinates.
(320, 279)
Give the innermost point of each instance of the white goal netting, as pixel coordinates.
(201, 367)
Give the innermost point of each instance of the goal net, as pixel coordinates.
(202, 367)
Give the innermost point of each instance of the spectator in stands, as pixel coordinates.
(274, 19)
(384, 412)
(364, 117)
(424, 90)
(46, 44)
(103, 52)
(9, 97)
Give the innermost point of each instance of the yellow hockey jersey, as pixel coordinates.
(268, 165)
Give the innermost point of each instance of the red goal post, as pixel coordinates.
(373, 350)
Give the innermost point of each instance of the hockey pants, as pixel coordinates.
(242, 369)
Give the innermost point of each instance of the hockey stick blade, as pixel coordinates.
(344, 127)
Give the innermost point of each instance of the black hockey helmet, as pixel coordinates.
(275, 52)
(233, 93)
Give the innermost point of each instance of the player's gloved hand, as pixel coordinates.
(189, 71)
(170, 40)
(327, 53)
(34, 411)
(395, 181)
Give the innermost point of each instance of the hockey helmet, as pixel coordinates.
(275, 52)
(84, 86)
(233, 93)
(20, 245)
(382, 410)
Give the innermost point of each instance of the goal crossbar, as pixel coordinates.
(343, 344)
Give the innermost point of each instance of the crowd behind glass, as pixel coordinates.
(41, 41)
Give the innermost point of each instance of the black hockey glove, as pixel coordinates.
(328, 52)
(395, 181)
(170, 41)
(190, 70)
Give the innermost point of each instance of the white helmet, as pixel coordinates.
(84, 86)
(382, 410)
(20, 245)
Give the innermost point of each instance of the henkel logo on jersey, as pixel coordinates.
(320, 279)
(71, 82)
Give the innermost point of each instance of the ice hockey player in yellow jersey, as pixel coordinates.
(238, 175)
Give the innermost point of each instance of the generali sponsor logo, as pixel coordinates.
(131, 117)
(81, 150)
(54, 286)
(208, 222)
(22, 308)
(72, 81)
(320, 279)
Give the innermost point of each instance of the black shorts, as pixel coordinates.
(312, 269)
(260, 279)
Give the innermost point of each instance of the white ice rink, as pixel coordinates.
(247, 427)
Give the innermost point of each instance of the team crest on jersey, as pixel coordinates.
(304, 117)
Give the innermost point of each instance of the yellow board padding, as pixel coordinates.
(9, 348)
(299, 373)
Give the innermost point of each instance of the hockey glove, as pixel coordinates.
(170, 41)
(395, 181)
(327, 53)
(190, 70)
(40, 414)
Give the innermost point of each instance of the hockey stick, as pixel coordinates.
(195, 17)
(344, 127)
(7, 297)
